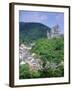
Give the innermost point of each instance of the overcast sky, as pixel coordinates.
(48, 18)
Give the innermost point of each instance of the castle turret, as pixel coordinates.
(55, 31)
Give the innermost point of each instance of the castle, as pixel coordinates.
(54, 32)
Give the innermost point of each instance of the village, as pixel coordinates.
(26, 57)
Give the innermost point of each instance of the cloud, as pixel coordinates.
(59, 17)
(44, 17)
(33, 16)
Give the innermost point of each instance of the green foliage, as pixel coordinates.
(52, 71)
(52, 51)
(56, 72)
(35, 74)
(43, 73)
(24, 71)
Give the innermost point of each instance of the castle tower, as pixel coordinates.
(55, 31)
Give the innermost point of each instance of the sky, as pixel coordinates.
(49, 19)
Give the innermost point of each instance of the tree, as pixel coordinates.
(52, 51)
(24, 71)
(35, 74)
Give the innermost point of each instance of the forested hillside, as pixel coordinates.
(30, 32)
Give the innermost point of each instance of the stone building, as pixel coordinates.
(54, 32)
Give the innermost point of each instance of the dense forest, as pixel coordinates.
(30, 32)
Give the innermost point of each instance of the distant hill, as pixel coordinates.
(30, 32)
